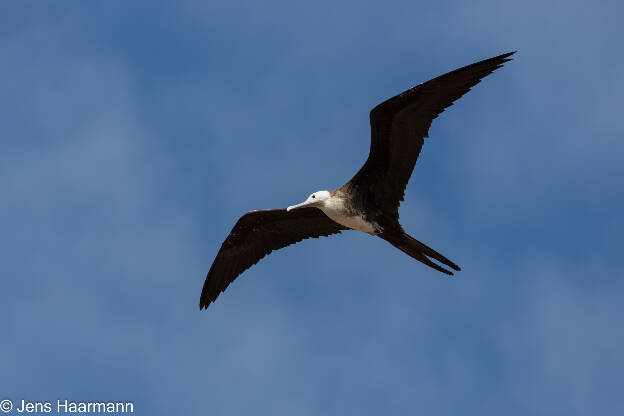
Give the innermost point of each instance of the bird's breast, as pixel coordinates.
(355, 222)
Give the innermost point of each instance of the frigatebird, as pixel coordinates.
(369, 202)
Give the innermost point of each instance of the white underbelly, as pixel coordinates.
(354, 222)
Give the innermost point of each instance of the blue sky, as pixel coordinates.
(135, 135)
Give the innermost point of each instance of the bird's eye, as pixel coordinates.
(313, 196)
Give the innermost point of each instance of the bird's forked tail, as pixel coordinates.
(420, 251)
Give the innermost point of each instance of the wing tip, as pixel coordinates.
(506, 57)
(204, 303)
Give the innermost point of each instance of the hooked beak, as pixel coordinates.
(301, 205)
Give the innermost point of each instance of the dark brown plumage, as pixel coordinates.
(370, 200)
(399, 126)
(255, 235)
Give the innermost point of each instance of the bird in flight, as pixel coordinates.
(369, 202)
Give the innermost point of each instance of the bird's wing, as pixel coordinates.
(399, 126)
(255, 235)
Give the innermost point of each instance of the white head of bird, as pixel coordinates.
(318, 199)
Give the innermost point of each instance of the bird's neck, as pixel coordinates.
(333, 204)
